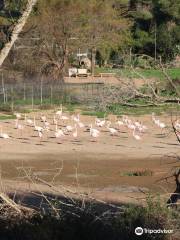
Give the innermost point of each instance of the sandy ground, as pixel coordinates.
(105, 80)
(101, 168)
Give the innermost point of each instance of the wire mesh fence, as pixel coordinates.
(39, 94)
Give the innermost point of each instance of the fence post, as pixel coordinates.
(12, 99)
(4, 96)
(41, 90)
(51, 95)
(32, 97)
(24, 92)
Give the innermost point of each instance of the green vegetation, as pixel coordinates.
(124, 110)
(7, 117)
(94, 113)
(156, 22)
(90, 223)
(147, 73)
(89, 110)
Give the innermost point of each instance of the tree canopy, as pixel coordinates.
(104, 28)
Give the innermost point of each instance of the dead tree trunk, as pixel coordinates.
(17, 30)
(176, 195)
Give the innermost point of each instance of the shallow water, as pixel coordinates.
(106, 175)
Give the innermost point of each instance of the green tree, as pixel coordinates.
(156, 27)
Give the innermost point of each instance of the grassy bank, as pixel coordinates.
(116, 109)
(148, 73)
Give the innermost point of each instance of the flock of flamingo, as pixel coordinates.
(63, 126)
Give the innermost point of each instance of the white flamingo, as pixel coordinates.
(43, 118)
(131, 126)
(69, 128)
(4, 135)
(76, 118)
(46, 126)
(162, 126)
(94, 132)
(64, 118)
(75, 133)
(120, 123)
(28, 121)
(158, 122)
(59, 133)
(177, 125)
(81, 125)
(112, 131)
(59, 112)
(40, 135)
(136, 136)
(19, 127)
(18, 115)
(37, 128)
(55, 120)
(100, 123)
